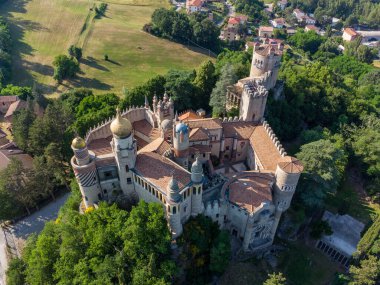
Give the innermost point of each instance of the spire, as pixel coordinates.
(173, 190)
(176, 117)
(146, 102)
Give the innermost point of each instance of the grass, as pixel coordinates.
(42, 29)
(306, 265)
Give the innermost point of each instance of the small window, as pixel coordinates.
(174, 210)
(184, 209)
(126, 168)
(99, 196)
(194, 191)
(105, 191)
(129, 180)
(85, 197)
(227, 148)
(204, 155)
(217, 215)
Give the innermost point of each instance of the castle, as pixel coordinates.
(233, 170)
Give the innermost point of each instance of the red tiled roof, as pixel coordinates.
(265, 29)
(7, 99)
(250, 189)
(189, 115)
(233, 21)
(158, 170)
(197, 3)
(15, 106)
(198, 134)
(199, 148)
(290, 165)
(243, 130)
(209, 123)
(159, 146)
(350, 31)
(264, 148)
(13, 152)
(145, 128)
(105, 161)
(101, 146)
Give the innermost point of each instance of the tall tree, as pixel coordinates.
(368, 272)
(22, 121)
(218, 95)
(275, 279)
(205, 80)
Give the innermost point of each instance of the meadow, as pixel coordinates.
(42, 29)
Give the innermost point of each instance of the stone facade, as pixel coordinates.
(150, 154)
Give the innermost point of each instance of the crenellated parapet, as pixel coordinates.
(274, 138)
(133, 114)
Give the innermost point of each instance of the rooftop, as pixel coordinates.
(350, 31)
(346, 232)
(15, 106)
(189, 115)
(7, 99)
(209, 123)
(198, 134)
(250, 189)
(158, 170)
(146, 129)
(265, 29)
(243, 130)
(264, 148)
(11, 151)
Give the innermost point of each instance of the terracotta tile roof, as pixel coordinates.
(350, 31)
(250, 189)
(140, 142)
(198, 134)
(197, 3)
(312, 28)
(189, 115)
(159, 146)
(13, 152)
(264, 148)
(158, 170)
(7, 99)
(265, 29)
(199, 148)
(243, 130)
(101, 146)
(280, 21)
(145, 128)
(15, 106)
(233, 21)
(105, 161)
(209, 123)
(265, 49)
(290, 165)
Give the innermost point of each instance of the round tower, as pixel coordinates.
(197, 187)
(181, 143)
(287, 175)
(173, 208)
(124, 148)
(83, 164)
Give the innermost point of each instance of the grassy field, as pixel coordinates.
(42, 29)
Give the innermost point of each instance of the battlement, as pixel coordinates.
(255, 89)
(102, 130)
(274, 138)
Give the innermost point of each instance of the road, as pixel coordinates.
(231, 12)
(25, 227)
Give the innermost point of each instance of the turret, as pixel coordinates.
(253, 102)
(83, 164)
(173, 207)
(124, 148)
(197, 187)
(181, 143)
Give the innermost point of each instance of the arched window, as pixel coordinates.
(174, 210)
(126, 168)
(194, 191)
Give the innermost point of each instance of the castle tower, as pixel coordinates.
(287, 174)
(181, 143)
(173, 208)
(83, 164)
(124, 148)
(253, 102)
(197, 191)
(266, 60)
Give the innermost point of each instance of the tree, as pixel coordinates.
(307, 41)
(205, 81)
(322, 173)
(64, 67)
(14, 183)
(220, 253)
(179, 84)
(15, 272)
(218, 95)
(367, 273)
(75, 52)
(275, 279)
(21, 123)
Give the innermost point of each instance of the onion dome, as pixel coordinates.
(78, 143)
(121, 127)
(181, 127)
(173, 190)
(166, 124)
(196, 167)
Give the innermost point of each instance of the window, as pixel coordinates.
(227, 148)
(85, 197)
(217, 215)
(194, 191)
(199, 190)
(126, 168)
(192, 156)
(174, 210)
(108, 174)
(204, 155)
(129, 180)
(184, 195)
(99, 196)
(184, 209)
(105, 191)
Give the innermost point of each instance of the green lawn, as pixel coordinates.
(42, 29)
(306, 265)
